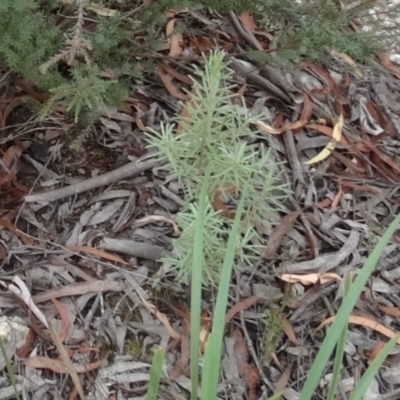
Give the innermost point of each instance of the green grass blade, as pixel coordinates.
(373, 369)
(339, 348)
(155, 374)
(344, 311)
(212, 356)
(196, 283)
(10, 371)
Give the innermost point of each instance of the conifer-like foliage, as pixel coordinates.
(219, 142)
(83, 66)
(65, 47)
(28, 37)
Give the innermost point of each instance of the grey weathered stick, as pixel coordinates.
(135, 249)
(126, 171)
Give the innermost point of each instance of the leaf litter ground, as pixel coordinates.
(90, 262)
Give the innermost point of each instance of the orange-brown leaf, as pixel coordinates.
(280, 386)
(389, 64)
(98, 253)
(243, 305)
(278, 233)
(246, 371)
(306, 112)
(225, 210)
(277, 131)
(169, 85)
(248, 21)
(363, 321)
(311, 279)
(201, 43)
(64, 319)
(177, 75)
(392, 311)
(56, 366)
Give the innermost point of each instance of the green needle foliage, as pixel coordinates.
(218, 137)
(64, 47)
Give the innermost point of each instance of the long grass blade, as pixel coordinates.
(10, 371)
(155, 374)
(196, 282)
(212, 356)
(343, 313)
(337, 366)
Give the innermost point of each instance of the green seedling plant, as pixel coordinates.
(214, 153)
(218, 151)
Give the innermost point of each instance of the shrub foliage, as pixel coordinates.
(65, 46)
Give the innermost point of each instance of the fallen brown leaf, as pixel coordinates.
(177, 75)
(328, 131)
(363, 321)
(248, 373)
(161, 317)
(176, 44)
(306, 112)
(248, 21)
(389, 64)
(59, 367)
(324, 203)
(224, 209)
(384, 157)
(56, 366)
(243, 305)
(26, 348)
(99, 253)
(311, 279)
(66, 361)
(169, 85)
(64, 319)
(12, 228)
(375, 351)
(238, 99)
(392, 311)
(281, 385)
(155, 218)
(7, 178)
(277, 131)
(201, 43)
(278, 233)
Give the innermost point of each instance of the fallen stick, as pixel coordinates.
(126, 171)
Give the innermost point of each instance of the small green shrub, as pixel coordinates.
(218, 139)
(65, 55)
(71, 62)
